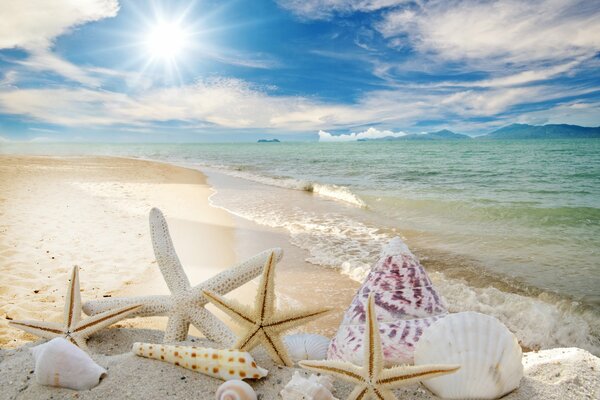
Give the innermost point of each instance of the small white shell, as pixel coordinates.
(307, 346)
(489, 355)
(62, 364)
(235, 390)
(313, 388)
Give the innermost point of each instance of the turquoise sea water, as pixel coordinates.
(503, 225)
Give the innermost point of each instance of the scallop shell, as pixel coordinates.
(306, 346)
(406, 304)
(235, 390)
(312, 388)
(489, 355)
(221, 364)
(60, 363)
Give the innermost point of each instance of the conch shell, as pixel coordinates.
(62, 364)
(221, 364)
(235, 390)
(406, 304)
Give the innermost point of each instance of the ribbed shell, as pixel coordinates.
(489, 355)
(406, 304)
(221, 364)
(306, 346)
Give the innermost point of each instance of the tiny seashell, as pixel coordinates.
(62, 364)
(222, 364)
(312, 388)
(235, 390)
(488, 353)
(307, 346)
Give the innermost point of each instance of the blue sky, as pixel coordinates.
(238, 70)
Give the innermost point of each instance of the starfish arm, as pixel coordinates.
(150, 305)
(265, 295)
(288, 320)
(240, 314)
(212, 327)
(165, 254)
(340, 369)
(46, 330)
(276, 348)
(236, 276)
(72, 311)
(99, 321)
(360, 392)
(381, 393)
(250, 339)
(177, 329)
(373, 354)
(79, 341)
(407, 374)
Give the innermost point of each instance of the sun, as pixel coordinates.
(166, 40)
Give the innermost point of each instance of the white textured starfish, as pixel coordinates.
(186, 304)
(73, 328)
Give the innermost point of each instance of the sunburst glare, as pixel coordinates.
(166, 40)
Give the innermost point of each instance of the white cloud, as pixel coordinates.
(508, 31)
(371, 133)
(32, 25)
(324, 9)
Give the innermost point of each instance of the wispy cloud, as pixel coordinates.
(325, 9)
(506, 31)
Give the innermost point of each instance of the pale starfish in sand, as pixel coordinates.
(73, 328)
(372, 380)
(186, 304)
(263, 324)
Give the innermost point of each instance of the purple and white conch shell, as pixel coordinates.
(406, 303)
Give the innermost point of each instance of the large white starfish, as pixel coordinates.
(372, 380)
(186, 304)
(73, 328)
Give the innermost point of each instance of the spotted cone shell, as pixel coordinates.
(406, 304)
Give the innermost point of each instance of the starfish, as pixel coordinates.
(263, 324)
(372, 380)
(73, 328)
(185, 304)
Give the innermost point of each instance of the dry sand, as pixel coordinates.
(558, 374)
(92, 212)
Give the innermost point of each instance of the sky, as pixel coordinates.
(204, 70)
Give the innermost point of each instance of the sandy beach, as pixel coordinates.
(93, 212)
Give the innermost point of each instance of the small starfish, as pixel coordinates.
(372, 380)
(186, 304)
(263, 325)
(73, 328)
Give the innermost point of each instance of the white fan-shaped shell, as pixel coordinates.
(488, 353)
(306, 346)
(62, 364)
(235, 390)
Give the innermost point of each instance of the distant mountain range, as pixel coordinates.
(523, 131)
(514, 131)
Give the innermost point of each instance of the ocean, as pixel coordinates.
(509, 228)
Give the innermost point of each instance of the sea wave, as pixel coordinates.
(329, 191)
(338, 240)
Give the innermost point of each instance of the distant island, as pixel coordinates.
(514, 131)
(268, 141)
